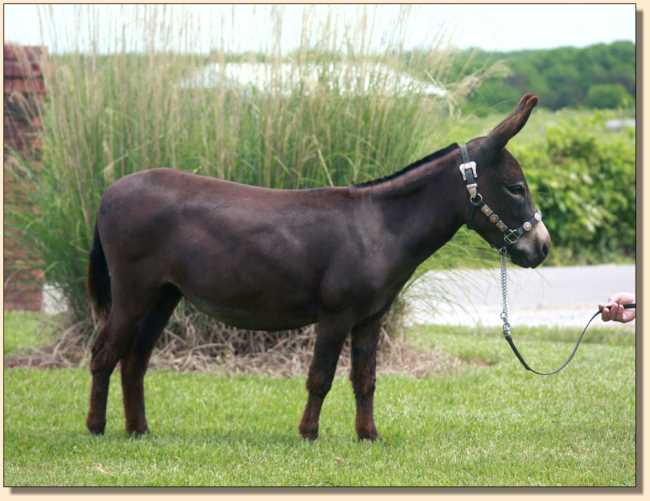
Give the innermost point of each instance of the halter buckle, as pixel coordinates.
(468, 166)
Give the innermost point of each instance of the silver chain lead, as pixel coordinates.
(503, 254)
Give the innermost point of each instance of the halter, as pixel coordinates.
(510, 236)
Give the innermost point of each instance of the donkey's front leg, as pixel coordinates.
(365, 337)
(331, 333)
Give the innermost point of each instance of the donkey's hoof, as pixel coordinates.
(371, 435)
(95, 427)
(137, 431)
(310, 434)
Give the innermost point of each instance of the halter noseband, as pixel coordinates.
(510, 236)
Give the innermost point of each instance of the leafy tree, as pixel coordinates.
(608, 96)
(561, 77)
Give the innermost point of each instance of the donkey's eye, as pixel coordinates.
(516, 189)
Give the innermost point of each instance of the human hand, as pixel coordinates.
(614, 310)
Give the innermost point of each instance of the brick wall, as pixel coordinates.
(24, 90)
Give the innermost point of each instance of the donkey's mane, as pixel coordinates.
(419, 163)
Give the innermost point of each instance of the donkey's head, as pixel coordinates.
(503, 212)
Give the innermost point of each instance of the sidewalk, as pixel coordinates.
(566, 296)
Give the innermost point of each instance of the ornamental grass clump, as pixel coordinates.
(327, 112)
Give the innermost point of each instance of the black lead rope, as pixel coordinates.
(507, 329)
(566, 362)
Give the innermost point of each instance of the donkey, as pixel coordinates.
(268, 259)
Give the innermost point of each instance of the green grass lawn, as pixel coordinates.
(24, 329)
(490, 424)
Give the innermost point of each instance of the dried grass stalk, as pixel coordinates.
(195, 342)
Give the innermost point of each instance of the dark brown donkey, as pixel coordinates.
(267, 259)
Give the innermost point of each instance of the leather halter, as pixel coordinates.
(510, 236)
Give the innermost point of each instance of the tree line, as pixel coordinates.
(598, 76)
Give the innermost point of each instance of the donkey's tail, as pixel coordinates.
(99, 282)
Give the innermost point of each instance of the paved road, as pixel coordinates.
(547, 296)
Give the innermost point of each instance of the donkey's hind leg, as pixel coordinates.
(112, 342)
(134, 364)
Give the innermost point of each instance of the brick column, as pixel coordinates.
(24, 90)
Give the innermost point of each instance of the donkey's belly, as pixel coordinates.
(255, 318)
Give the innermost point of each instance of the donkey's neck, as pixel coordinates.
(423, 208)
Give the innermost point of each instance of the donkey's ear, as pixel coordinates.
(502, 133)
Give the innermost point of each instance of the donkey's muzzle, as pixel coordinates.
(531, 249)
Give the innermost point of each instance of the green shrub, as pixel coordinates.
(583, 179)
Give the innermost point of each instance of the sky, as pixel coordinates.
(238, 28)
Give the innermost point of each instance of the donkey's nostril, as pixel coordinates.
(545, 249)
